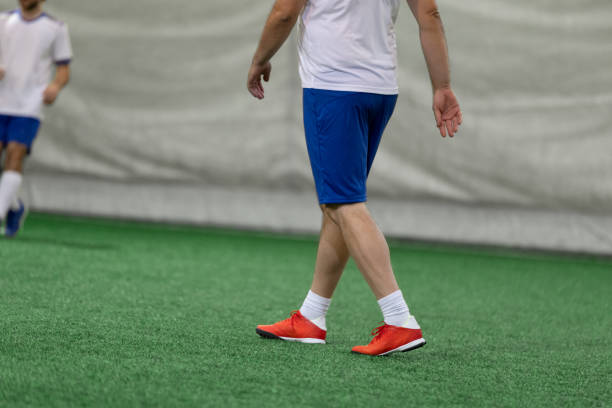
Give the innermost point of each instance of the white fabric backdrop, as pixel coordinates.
(156, 124)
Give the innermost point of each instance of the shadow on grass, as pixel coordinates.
(62, 243)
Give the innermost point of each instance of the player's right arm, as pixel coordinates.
(280, 22)
(433, 41)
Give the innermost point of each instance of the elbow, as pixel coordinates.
(433, 13)
(285, 15)
(430, 19)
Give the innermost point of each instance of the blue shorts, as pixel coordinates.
(343, 131)
(18, 129)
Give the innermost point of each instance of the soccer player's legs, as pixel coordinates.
(12, 209)
(343, 130)
(19, 135)
(336, 136)
(343, 141)
(308, 325)
(336, 125)
(367, 245)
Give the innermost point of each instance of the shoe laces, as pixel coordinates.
(379, 331)
(293, 317)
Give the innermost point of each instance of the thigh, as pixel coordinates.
(23, 131)
(4, 121)
(336, 125)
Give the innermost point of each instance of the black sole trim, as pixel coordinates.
(267, 335)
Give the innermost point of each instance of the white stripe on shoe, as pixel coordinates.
(303, 340)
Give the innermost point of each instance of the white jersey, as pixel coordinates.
(349, 45)
(28, 52)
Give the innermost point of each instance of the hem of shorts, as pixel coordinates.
(351, 88)
(344, 200)
(21, 115)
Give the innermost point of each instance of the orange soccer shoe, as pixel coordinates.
(295, 328)
(389, 339)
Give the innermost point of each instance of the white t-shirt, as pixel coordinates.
(349, 45)
(28, 51)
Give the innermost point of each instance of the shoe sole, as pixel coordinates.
(413, 345)
(306, 340)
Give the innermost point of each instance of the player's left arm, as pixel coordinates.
(62, 55)
(280, 22)
(433, 41)
(62, 76)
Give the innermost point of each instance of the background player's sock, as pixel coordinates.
(315, 308)
(395, 311)
(9, 185)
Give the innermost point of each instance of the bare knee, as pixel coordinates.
(328, 213)
(15, 155)
(342, 213)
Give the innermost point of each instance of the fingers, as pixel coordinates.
(255, 87)
(438, 115)
(256, 91)
(447, 112)
(451, 121)
(452, 125)
(439, 122)
(449, 128)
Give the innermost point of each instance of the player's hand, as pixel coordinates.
(1, 74)
(447, 112)
(50, 94)
(257, 72)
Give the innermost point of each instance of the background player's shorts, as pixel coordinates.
(18, 129)
(343, 131)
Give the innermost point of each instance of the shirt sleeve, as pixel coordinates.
(62, 48)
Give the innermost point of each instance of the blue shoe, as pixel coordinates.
(14, 220)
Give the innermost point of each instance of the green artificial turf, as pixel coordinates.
(103, 313)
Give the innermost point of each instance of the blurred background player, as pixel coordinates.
(347, 53)
(31, 43)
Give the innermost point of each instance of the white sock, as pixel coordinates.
(395, 311)
(315, 308)
(9, 185)
(16, 204)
